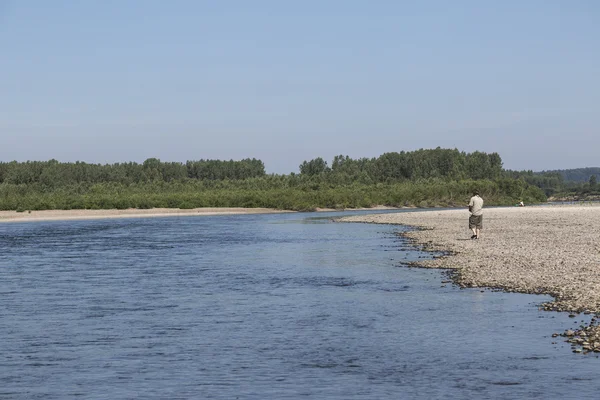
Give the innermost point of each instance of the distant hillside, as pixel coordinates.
(580, 175)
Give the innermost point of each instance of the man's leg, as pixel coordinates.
(472, 226)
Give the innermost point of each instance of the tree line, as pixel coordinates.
(290, 193)
(580, 182)
(578, 175)
(389, 167)
(411, 166)
(421, 178)
(57, 174)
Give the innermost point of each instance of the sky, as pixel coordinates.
(107, 81)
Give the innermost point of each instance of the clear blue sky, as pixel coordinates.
(287, 81)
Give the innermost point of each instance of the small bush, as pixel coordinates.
(186, 205)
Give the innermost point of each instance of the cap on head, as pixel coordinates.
(475, 192)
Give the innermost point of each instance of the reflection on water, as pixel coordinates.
(264, 306)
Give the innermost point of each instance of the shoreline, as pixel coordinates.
(74, 215)
(536, 249)
(551, 250)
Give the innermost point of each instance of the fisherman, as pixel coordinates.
(476, 217)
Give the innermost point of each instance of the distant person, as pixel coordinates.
(476, 218)
(521, 204)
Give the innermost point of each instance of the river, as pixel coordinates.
(277, 306)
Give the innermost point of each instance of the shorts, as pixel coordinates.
(476, 221)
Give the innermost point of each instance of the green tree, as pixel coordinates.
(314, 167)
(593, 181)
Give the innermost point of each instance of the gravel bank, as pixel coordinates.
(547, 249)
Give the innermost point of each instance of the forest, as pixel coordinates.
(575, 175)
(566, 184)
(422, 178)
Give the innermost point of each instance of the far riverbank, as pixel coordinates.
(65, 215)
(62, 215)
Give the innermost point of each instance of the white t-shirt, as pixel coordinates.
(476, 205)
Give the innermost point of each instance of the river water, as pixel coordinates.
(282, 306)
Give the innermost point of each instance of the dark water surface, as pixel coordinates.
(261, 307)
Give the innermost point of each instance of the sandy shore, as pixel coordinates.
(54, 215)
(58, 215)
(546, 249)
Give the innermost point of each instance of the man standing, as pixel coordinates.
(476, 218)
